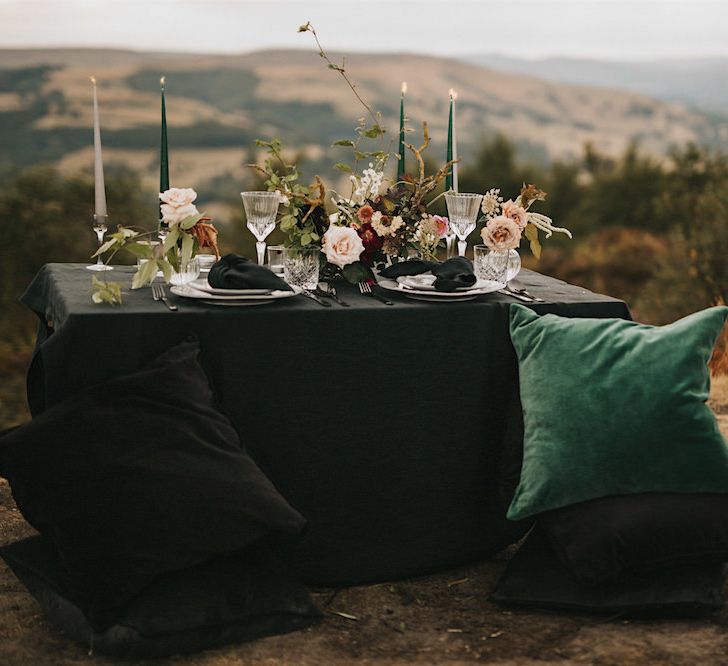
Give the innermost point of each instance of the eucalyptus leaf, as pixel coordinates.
(142, 250)
(105, 247)
(166, 269)
(145, 274)
(172, 258)
(171, 240)
(188, 244)
(531, 233)
(373, 132)
(343, 167)
(344, 142)
(189, 222)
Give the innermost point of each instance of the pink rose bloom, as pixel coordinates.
(443, 224)
(342, 245)
(173, 215)
(176, 197)
(365, 213)
(515, 213)
(501, 233)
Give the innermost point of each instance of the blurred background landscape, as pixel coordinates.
(633, 153)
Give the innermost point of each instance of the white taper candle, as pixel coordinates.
(99, 188)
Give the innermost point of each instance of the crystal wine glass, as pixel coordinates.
(261, 209)
(462, 210)
(100, 229)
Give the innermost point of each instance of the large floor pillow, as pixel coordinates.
(236, 597)
(605, 538)
(536, 578)
(137, 477)
(614, 407)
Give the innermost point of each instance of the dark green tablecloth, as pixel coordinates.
(395, 430)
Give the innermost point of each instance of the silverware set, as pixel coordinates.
(520, 293)
(366, 290)
(328, 291)
(158, 294)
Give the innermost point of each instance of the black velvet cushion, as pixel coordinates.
(137, 477)
(536, 578)
(229, 598)
(603, 538)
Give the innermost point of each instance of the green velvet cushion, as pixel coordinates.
(613, 407)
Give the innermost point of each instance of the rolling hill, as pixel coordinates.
(218, 105)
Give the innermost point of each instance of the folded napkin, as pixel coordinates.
(236, 272)
(455, 273)
(409, 267)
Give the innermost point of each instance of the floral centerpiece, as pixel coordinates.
(507, 221)
(375, 224)
(378, 223)
(187, 232)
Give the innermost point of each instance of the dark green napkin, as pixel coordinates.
(409, 267)
(453, 274)
(236, 272)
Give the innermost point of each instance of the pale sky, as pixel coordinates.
(606, 29)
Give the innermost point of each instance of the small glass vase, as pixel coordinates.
(514, 265)
(188, 271)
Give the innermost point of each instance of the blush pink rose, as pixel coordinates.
(501, 233)
(342, 245)
(178, 196)
(443, 224)
(515, 213)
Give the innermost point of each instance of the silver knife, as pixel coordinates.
(313, 297)
(514, 294)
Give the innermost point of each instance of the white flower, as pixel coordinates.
(172, 215)
(178, 196)
(342, 245)
(333, 218)
(384, 226)
(367, 186)
(282, 198)
(491, 202)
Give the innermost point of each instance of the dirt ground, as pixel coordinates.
(442, 619)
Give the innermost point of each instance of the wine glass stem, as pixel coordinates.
(100, 237)
(260, 246)
(462, 246)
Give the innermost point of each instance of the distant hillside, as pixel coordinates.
(699, 83)
(218, 105)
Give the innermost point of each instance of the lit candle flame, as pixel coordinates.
(92, 79)
(453, 94)
(161, 82)
(404, 87)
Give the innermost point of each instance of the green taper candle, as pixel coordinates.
(163, 157)
(400, 162)
(448, 178)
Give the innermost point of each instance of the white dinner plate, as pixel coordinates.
(426, 282)
(480, 287)
(187, 291)
(201, 284)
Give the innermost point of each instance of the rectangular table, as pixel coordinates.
(395, 430)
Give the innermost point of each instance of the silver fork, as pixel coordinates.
(159, 295)
(366, 289)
